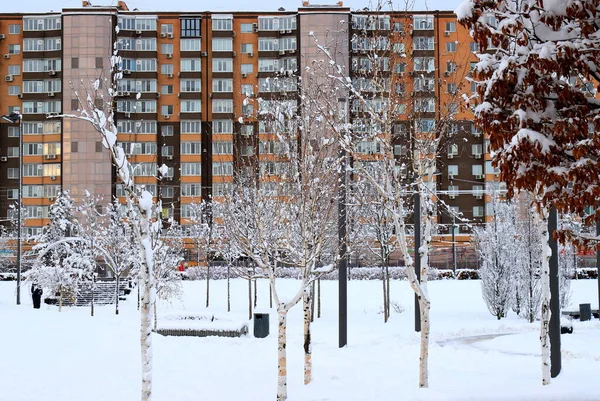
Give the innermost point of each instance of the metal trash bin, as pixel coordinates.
(585, 312)
(261, 325)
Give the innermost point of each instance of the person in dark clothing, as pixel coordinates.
(36, 294)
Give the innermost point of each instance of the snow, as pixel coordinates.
(71, 356)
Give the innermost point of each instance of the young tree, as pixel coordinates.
(168, 253)
(200, 230)
(496, 245)
(377, 234)
(282, 211)
(529, 264)
(60, 259)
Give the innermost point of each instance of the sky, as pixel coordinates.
(28, 6)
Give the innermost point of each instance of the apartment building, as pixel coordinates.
(181, 101)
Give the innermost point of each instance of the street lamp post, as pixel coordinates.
(15, 118)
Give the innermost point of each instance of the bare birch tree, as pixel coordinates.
(281, 212)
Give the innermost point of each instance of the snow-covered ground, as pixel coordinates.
(71, 356)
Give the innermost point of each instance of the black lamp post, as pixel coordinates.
(15, 118)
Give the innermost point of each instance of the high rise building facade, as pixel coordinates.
(182, 99)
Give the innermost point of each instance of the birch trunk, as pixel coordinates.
(60, 299)
(228, 291)
(387, 278)
(385, 311)
(117, 294)
(255, 292)
(424, 303)
(281, 355)
(93, 287)
(249, 299)
(307, 306)
(208, 284)
(542, 225)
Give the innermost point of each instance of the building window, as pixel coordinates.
(452, 170)
(246, 48)
(423, 22)
(166, 109)
(166, 69)
(450, 26)
(190, 27)
(247, 68)
(100, 62)
(190, 106)
(74, 147)
(13, 173)
(450, 47)
(222, 106)
(14, 49)
(98, 147)
(190, 85)
(477, 211)
(166, 48)
(222, 85)
(222, 168)
(222, 147)
(74, 62)
(222, 24)
(190, 45)
(222, 127)
(166, 89)
(477, 171)
(222, 44)
(191, 127)
(14, 70)
(13, 132)
(191, 189)
(167, 192)
(14, 29)
(452, 150)
(222, 65)
(247, 89)
(166, 28)
(14, 90)
(12, 151)
(188, 169)
(167, 130)
(190, 148)
(190, 65)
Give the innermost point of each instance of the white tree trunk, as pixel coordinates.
(424, 304)
(281, 354)
(542, 225)
(307, 304)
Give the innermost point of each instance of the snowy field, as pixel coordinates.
(71, 356)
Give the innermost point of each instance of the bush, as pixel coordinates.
(587, 273)
(467, 274)
(354, 273)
